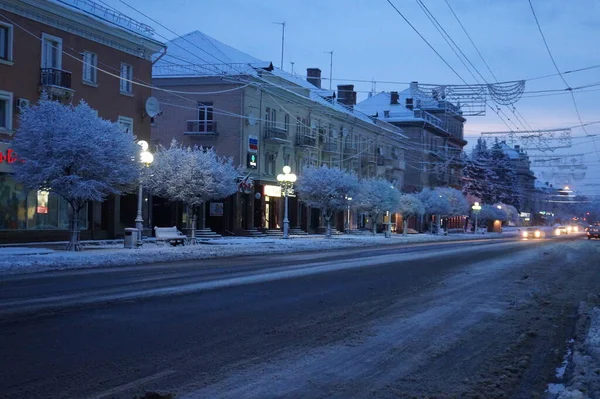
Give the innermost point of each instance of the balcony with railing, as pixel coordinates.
(276, 135)
(350, 150)
(201, 128)
(429, 118)
(304, 140)
(56, 82)
(330, 147)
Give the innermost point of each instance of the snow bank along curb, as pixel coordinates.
(584, 376)
(116, 255)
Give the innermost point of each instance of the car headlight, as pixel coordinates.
(569, 229)
(537, 234)
(524, 234)
(557, 232)
(576, 229)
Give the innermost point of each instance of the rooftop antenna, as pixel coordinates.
(282, 39)
(292, 62)
(330, 67)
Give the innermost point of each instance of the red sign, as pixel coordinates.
(9, 157)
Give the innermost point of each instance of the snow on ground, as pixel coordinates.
(585, 374)
(104, 254)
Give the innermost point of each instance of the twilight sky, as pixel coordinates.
(371, 41)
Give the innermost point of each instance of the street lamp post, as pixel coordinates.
(476, 208)
(286, 181)
(146, 158)
(348, 218)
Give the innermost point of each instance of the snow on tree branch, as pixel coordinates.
(70, 151)
(327, 189)
(193, 176)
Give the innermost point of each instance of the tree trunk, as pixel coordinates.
(404, 227)
(203, 218)
(328, 228)
(375, 224)
(74, 244)
(439, 225)
(193, 233)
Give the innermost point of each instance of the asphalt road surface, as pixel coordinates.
(476, 319)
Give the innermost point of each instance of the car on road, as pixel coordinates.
(593, 232)
(533, 233)
(561, 230)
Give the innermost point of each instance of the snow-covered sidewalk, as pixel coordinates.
(17, 260)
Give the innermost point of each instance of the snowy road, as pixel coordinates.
(485, 319)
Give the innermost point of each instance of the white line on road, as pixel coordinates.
(134, 384)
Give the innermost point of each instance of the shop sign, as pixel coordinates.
(252, 143)
(8, 157)
(272, 191)
(525, 215)
(252, 161)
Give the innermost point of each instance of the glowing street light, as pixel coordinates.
(476, 209)
(286, 181)
(146, 158)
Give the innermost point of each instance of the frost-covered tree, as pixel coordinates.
(459, 205)
(376, 196)
(491, 212)
(69, 151)
(512, 215)
(504, 178)
(443, 201)
(192, 176)
(477, 179)
(435, 203)
(327, 189)
(409, 205)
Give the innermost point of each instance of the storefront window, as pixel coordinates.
(33, 210)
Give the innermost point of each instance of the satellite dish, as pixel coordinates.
(152, 107)
(252, 119)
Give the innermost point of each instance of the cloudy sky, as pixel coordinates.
(371, 41)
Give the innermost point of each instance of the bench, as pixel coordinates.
(170, 234)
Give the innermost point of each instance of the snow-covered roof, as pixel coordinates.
(509, 151)
(107, 16)
(197, 54)
(379, 105)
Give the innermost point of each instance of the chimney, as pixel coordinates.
(409, 103)
(414, 86)
(313, 76)
(346, 95)
(394, 97)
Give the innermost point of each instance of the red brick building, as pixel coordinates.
(82, 51)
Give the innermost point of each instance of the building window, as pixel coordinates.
(286, 122)
(6, 42)
(126, 124)
(126, 78)
(270, 163)
(205, 117)
(6, 101)
(51, 52)
(90, 62)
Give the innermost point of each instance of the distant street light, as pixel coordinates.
(286, 181)
(476, 208)
(348, 218)
(146, 158)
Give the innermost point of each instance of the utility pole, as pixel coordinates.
(282, 40)
(330, 67)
